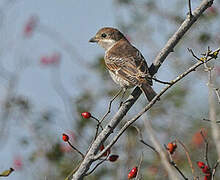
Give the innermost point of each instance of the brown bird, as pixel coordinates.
(125, 63)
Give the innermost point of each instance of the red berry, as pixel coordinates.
(101, 147)
(207, 177)
(133, 173)
(107, 152)
(86, 115)
(206, 170)
(171, 147)
(65, 137)
(113, 158)
(201, 164)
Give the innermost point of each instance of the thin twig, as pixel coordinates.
(76, 149)
(139, 166)
(172, 42)
(214, 169)
(190, 9)
(98, 122)
(187, 155)
(110, 105)
(97, 127)
(193, 54)
(151, 147)
(103, 160)
(163, 157)
(175, 166)
(142, 141)
(210, 120)
(162, 82)
(212, 112)
(206, 148)
(204, 119)
(205, 58)
(217, 94)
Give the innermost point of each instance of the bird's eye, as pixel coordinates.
(103, 35)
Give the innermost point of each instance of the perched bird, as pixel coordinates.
(125, 63)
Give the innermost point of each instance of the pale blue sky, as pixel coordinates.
(76, 22)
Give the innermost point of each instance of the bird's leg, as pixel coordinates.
(123, 94)
(110, 105)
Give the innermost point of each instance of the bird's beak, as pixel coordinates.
(93, 40)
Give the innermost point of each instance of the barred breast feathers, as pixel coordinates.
(128, 62)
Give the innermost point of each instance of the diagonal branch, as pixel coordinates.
(164, 160)
(172, 42)
(89, 158)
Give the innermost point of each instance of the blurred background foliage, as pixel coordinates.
(148, 24)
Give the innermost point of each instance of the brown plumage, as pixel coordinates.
(125, 63)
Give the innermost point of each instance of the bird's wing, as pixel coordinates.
(131, 66)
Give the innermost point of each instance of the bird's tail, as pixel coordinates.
(148, 91)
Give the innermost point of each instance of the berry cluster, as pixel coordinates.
(205, 169)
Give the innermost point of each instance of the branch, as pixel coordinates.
(175, 166)
(217, 94)
(190, 9)
(97, 165)
(89, 158)
(188, 156)
(214, 169)
(165, 162)
(212, 113)
(172, 42)
(142, 141)
(110, 105)
(206, 148)
(139, 166)
(157, 80)
(78, 151)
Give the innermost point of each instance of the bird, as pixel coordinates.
(125, 63)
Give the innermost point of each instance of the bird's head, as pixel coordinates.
(107, 37)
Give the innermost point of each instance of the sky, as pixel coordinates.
(75, 22)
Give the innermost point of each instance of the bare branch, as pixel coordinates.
(193, 54)
(217, 94)
(97, 165)
(142, 141)
(78, 151)
(209, 120)
(175, 166)
(206, 148)
(187, 155)
(162, 82)
(190, 9)
(139, 166)
(171, 173)
(97, 127)
(110, 105)
(212, 113)
(172, 42)
(214, 169)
